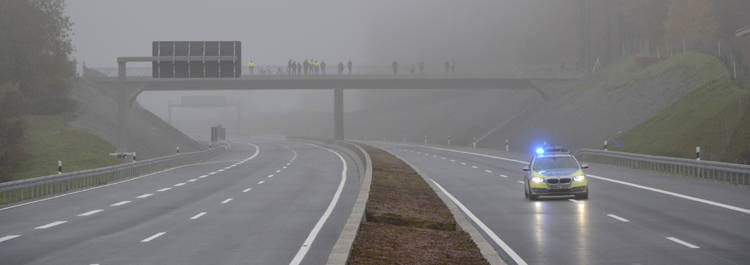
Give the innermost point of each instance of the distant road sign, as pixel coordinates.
(617, 144)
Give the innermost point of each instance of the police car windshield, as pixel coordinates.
(542, 163)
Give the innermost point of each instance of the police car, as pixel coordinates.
(553, 172)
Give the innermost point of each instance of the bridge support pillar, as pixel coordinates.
(338, 113)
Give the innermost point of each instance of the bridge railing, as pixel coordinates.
(538, 70)
(735, 174)
(29, 189)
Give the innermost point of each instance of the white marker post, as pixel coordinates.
(449, 140)
(425, 139)
(475, 142)
(605, 145)
(178, 149)
(209, 145)
(698, 153)
(134, 157)
(506, 145)
(59, 167)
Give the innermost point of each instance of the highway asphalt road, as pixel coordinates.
(631, 216)
(263, 203)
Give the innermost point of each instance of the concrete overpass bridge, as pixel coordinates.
(131, 87)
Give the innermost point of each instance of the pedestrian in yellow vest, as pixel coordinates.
(251, 65)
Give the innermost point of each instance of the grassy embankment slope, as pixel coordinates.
(709, 116)
(48, 140)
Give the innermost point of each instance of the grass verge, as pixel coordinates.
(407, 223)
(48, 140)
(707, 117)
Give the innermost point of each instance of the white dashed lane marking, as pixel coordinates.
(144, 195)
(284, 167)
(212, 173)
(462, 163)
(90, 213)
(488, 171)
(682, 242)
(474, 166)
(227, 200)
(179, 184)
(164, 189)
(120, 203)
(453, 160)
(270, 176)
(520, 182)
(51, 225)
(6, 238)
(192, 180)
(198, 216)
(203, 176)
(504, 176)
(261, 182)
(153, 237)
(618, 218)
(246, 190)
(575, 201)
(277, 171)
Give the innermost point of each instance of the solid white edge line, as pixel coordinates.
(6, 238)
(197, 216)
(144, 195)
(153, 237)
(51, 225)
(310, 238)
(618, 218)
(726, 206)
(90, 212)
(682, 242)
(482, 226)
(734, 208)
(227, 200)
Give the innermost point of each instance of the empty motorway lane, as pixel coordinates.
(267, 202)
(631, 217)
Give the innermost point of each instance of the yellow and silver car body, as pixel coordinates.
(555, 175)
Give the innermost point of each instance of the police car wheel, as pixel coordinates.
(526, 192)
(583, 196)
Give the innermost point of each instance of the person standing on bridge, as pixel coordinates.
(250, 66)
(299, 68)
(306, 64)
(421, 67)
(323, 67)
(395, 67)
(447, 67)
(341, 67)
(349, 65)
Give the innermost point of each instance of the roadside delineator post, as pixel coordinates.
(178, 149)
(209, 145)
(425, 139)
(605, 145)
(475, 142)
(698, 153)
(506, 145)
(134, 157)
(59, 167)
(449, 140)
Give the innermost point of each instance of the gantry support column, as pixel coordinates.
(122, 99)
(338, 113)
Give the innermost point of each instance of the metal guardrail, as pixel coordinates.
(735, 174)
(29, 189)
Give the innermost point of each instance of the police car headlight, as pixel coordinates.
(579, 178)
(537, 180)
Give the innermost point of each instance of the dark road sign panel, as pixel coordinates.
(197, 66)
